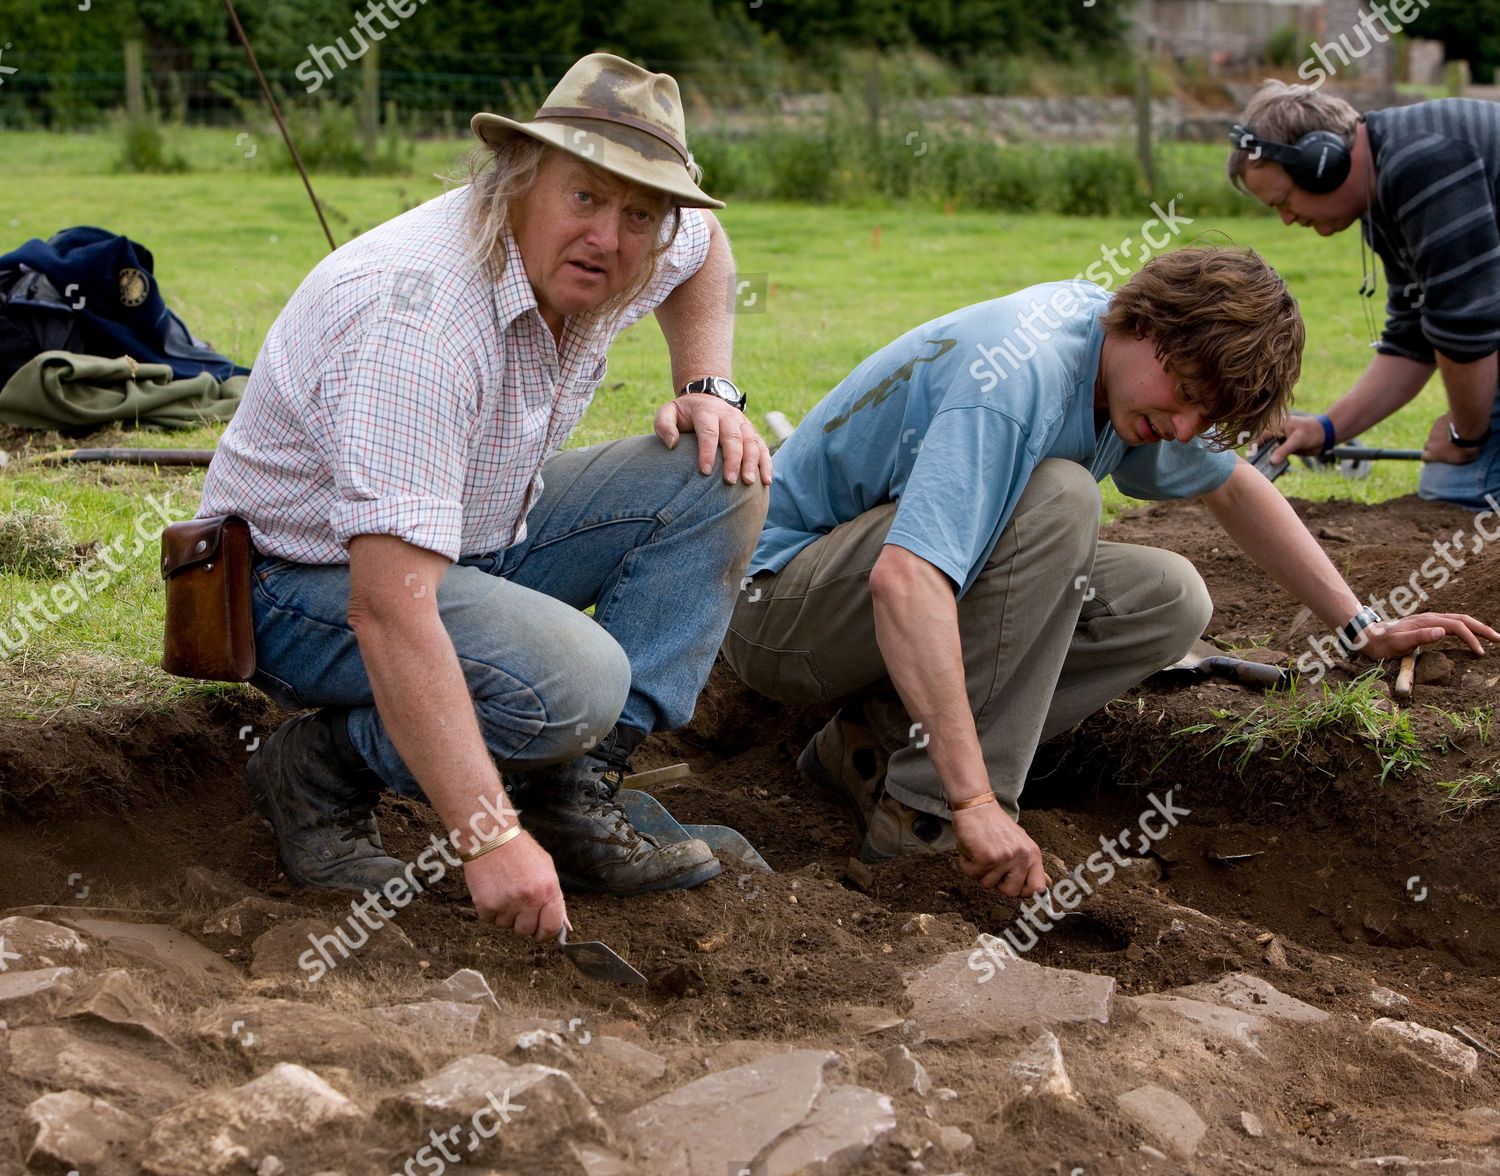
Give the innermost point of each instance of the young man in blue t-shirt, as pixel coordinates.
(932, 547)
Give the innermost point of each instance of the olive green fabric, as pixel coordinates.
(63, 390)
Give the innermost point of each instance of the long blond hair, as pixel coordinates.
(500, 175)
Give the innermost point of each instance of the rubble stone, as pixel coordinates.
(523, 1106)
(39, 944)
(445, 1019)
(692, 1129)
(231, 1130)
(905, 1072)
(36, 989)
(267, 1031)
(71, 1132)
(1443, 1050)
(1251, 994)
(113, 997)
(1233, 1025)
(951, 1003)
(1165, 1117)
(1041, 1071)
(844, 1124)
(1251, 1125)
(627, 1059)
(466, 985)
(1385, 998)
(159, 946)
(62, 1060)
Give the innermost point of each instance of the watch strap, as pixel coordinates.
(1349, 634)
(725, 389)
(1467, 442)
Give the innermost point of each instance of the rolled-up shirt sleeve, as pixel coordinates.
(400, 434)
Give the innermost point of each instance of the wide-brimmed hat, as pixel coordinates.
(619, 117)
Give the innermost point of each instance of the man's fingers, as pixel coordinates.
(554, 918)
(708, 443)
(766, 469)
(734, 454)
(666, 425)
(1284, 451)
(750, 459)
(526, 921)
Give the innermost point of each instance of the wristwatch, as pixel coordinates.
(718, 386)
(1467, 442)
(1349, 635)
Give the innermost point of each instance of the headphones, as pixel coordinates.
(1317, 163)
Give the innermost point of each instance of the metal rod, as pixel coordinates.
(276, 113)
(165, 457)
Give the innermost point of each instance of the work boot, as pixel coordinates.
(320, 797)
(570, 810)
(896, 829)
(846, 760)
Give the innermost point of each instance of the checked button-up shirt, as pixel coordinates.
(401, 392)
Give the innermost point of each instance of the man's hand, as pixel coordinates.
(719, 425)
(997, 853)
(1439, 448)
(1390, 639)
(1299, 434)
(516, 887)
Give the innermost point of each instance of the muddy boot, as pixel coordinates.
(570, 809)
(895, 829)
(846, 760)
(320, 797)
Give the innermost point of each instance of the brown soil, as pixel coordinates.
(126, 803)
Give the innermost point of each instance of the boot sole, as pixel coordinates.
(685, 881)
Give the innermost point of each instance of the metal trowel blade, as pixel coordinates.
(598, 962)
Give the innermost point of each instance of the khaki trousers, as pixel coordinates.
(1057, 624)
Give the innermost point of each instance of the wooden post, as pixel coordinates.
(135, 80)
(369, 100)
(1143, 113)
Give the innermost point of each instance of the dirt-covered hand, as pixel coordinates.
(997, 853)
(719, 425)
(1298, 434)
(516, 887)
(1398, 638)
(1438, 446)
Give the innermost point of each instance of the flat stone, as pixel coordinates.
(60, 1059)
(1432, 667)
(844, 1124)
(527, 1106)
(866, 1020)
(159, 946)
(1388, 999)
(596, 1161)
(113, 997)
(1443, 1050)
(240, 923)
(311, 948)
(468, 986)
(71, 1132)
(1251, 1125)
(231, 1130)
(267, 1031)
(627, 1059)
(37, 989)
(1040, 1070)
(950, 1003)
(1168, 1119)
(728, 1118)
(1251, 994)
(1233, 1025)
(904, 1071)
(39, 944)
(447, 1020)
(955, 1141)
(213, 888)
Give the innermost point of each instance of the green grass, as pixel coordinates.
(232, 239)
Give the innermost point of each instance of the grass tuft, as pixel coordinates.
(34, 542)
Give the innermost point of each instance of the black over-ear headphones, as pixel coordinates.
(1317, 163)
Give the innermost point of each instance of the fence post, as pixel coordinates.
(135, 80)
(369, 100)
(1143, 113)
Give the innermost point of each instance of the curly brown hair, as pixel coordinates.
(1226, 327)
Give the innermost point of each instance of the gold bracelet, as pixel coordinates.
(974, 802)
(495, 843)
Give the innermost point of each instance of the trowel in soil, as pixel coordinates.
(1205, 661)
(649, 815)
(598, 962)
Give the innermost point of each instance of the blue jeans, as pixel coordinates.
(1466, 485)
(631, 528)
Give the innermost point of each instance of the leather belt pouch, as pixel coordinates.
(206, 564)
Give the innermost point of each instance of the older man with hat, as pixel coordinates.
(424, 553)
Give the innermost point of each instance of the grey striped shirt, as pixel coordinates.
(1434, 225)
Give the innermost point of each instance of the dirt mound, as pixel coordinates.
(1299, 866)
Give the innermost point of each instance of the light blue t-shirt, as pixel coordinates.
(950, 420)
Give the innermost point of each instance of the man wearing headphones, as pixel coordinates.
(1424, 179)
